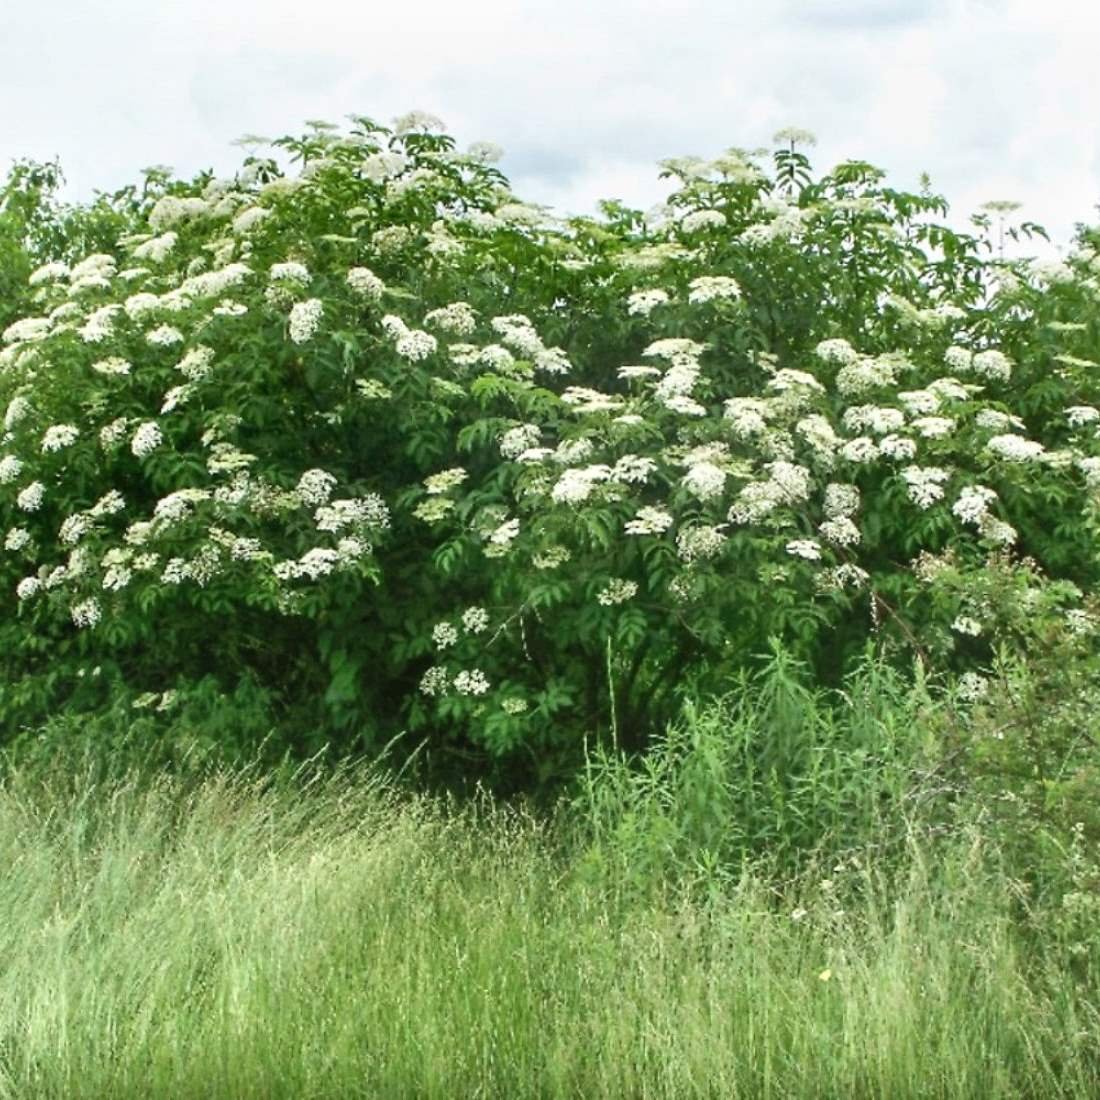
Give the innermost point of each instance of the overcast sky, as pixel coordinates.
(995, 99)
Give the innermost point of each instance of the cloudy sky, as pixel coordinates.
(995, 99)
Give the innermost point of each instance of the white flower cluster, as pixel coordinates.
(365, 283)
(705, 481)
(925, 484)
(10, 468)
(412, 344)
(315, 487)
(576, 485)
(113, 365)
(458, 318)
(711, 288)
(444, 635)
(515, 441)
(368, 511)
(471, 682)
(475, 620)
(146, 439)
(304, 320)
(445, 480)
(290, 272)
(649, 521)
(699, 543)
(59, 436)
(617, 591)
(30, 499)
(86, 613)
(643, 302)
(1016, 448)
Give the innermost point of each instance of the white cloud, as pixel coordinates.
(994, 98)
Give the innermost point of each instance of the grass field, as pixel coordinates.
(329, 937)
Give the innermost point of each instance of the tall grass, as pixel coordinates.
(324, 936)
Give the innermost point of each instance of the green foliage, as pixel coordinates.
(360, 428)
(247, 935)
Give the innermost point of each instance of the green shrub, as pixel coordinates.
(411, 454)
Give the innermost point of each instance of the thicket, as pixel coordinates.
(355, 444)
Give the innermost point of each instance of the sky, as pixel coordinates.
(994, 99)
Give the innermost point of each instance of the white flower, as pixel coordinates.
(28, 587)
(17, 538)
(416, 345)
(701, 219)
(472, 682)
(964, 624)
(643, 302)
(30, 498)
(290, 272)
(110, 435)
(58, 437)
(475, 620)
(992, 364)
(709, 288)
(860, 450)
(74, 528)
(649, 521)
(841, 499)
(697, 543)
(86, 613)
(445, 480)
(925, 484)
(315, 487)
(458, 318)
(444, 635)
(176, 396)
(108, 504)
(897, 447)
(576, 485)
(197, 363)
(164, 336)
(146, 439)
(515, 441)
(633, 469)
(100, 324)
(810, 549)
(112, 365)
(873, 418)
(920, 402)
(973, 503)
(958, 359)
(157, 248)
(1080, 415)
(27, 330)
(934, 427)
(972, 687)
(505, 533)
(1015, 448)
(617, 591)
(49, 273)
(435, 681)
(16, 411)
(705, 481)
(836, 351)
(841, 531)
(365, 283)
(305, 318)
(10, 468)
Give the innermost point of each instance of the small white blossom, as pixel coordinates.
(365, 283)
(146, 439)
(28, 587)
(924, 484)
(444, 635)
(617, 591)
(643, 302)
(471, 682)
(30, 498)
(86, 613)
(305, 319)
(810, 549)
(649, 521)
(475, 620)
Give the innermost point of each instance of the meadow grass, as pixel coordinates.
(323, 935)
